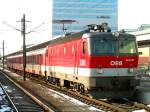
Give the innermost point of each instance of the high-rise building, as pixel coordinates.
(84, 12)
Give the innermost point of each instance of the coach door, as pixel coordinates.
(76, 58)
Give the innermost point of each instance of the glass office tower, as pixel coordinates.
(84, 12)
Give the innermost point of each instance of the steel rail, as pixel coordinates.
(142, 106)
(12, 103)
(45, 107)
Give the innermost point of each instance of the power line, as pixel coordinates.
(23, 33)
(11, 26)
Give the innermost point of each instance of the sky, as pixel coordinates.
(131, 14)
(36, 11)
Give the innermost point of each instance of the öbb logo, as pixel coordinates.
(82, 62)
(116, 63)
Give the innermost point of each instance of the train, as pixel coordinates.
(99, 63)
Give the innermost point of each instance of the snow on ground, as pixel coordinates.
(5, 108)
(1, 92)
(3, 103)
(140, 110)
(64, 97)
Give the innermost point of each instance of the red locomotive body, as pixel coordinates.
(100, 63)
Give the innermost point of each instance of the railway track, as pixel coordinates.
(128, 105)
(6, 100)
(125, 106)
(108, 106)
(19, 99)
(100, 104)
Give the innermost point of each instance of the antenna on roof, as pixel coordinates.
(63, 22)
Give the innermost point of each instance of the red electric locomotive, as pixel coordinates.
(102, 64)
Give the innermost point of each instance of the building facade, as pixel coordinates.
(84, 12)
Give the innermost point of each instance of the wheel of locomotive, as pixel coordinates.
(66, 84)
(82, 88)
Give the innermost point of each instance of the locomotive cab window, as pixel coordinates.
(103, 46)
(127, 46)
(107, 45)
(84, 47)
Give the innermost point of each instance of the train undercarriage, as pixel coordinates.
(105, 87)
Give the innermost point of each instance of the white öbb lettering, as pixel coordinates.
(82, 62)
(116, 63)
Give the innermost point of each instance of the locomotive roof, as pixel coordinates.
(67, 38)
(109, 35)
(53, 41)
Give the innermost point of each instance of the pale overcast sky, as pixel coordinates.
(131, 14)
(36, 11)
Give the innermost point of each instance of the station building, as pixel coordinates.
(143, 38)
(83, 12)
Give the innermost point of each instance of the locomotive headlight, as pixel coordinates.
(130, 70)
(99, 70)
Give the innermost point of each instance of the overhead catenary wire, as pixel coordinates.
(23, 33)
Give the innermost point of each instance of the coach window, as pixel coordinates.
(84, 46)
(51, 52)
(57, 51)
(41, 59)
(72, 48)
(37, 59)
(33, 59)
(64, 50)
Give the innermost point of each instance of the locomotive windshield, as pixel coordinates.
(103, 46)
(127, 46)
(112, 46)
